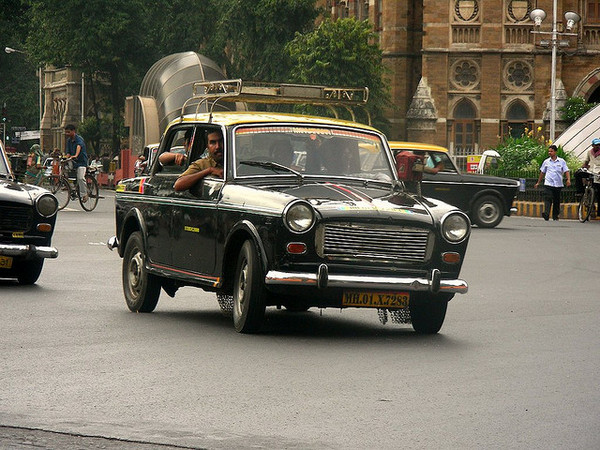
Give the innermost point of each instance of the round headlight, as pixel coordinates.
(299, 217)
(46, 205)
(455, 227)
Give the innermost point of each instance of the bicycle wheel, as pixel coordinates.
(586, 204)
(91, 194)
(62, 191)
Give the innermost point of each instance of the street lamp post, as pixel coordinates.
(40, 74)
(538, 16)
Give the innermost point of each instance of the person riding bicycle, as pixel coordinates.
(77, 152)
(590, 162)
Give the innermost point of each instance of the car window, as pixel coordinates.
(310, 151)
(179, 142)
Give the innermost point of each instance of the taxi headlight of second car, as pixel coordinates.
(299, 217)
(455, 227)
(46, 205)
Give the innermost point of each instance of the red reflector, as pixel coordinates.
(45, 227)
(296, 248)
(451, 257)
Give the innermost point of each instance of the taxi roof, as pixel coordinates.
(230, 118)
(402, 145)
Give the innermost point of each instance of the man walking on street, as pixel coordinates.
(553, 168)
(77, 152)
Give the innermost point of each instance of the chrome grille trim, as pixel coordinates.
(364, 241)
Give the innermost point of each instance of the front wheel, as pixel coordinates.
(141, 288)
(427, 314)
(586, 204)
(28, 271)
(249, 293)
(91, 194)
(62, 191)
(487, 212)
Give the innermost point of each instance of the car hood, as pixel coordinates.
(11, 191)
(337, 201)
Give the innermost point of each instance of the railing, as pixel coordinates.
(518, 34)
(466, 34)
(531, 194)
(591, 35)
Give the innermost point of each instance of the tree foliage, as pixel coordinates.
(574, 108)
(250, 35)
(342, 53)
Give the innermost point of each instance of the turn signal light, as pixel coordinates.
(44, 227)
(296, 248)
(451, 257)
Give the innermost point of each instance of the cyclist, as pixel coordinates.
(590, 162)
(77, 152)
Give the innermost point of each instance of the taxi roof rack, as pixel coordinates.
(213, 92)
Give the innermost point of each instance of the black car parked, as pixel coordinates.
(485, 198)
(309, 213)
(27, 218)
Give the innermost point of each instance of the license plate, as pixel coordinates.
(5, 262)
(368, 299)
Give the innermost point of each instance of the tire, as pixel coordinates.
(28, 271)
(586, 205)
(62, 192)
(427, 314)
(141, 289)
(249, 293)
(487, 212)
(92, 194)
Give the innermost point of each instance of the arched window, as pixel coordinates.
(517, 119)
(464, 132)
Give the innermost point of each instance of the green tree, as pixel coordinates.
(107, 38)
(574, 108)
(248, 36)
(342, 53)
(18, 71)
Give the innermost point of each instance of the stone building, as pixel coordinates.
(464, 72)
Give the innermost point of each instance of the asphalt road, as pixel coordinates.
(516, 364)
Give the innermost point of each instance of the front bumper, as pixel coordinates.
(322, 279)
(30, 251)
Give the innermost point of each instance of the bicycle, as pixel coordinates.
(588, 199)
(60, 185)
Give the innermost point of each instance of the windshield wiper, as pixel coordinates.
(273, 166)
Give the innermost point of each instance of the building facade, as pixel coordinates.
(465, 72)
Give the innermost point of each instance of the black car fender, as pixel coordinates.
(132, 222)
(238, 234)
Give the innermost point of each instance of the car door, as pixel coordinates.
(446, 185)
(194, 221)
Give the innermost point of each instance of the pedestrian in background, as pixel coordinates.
(553, 170)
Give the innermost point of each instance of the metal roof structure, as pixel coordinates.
(578, 137)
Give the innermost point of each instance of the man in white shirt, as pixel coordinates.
(552, 170)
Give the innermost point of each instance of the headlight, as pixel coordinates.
(455, 227)
(46, 205)
(299, 217)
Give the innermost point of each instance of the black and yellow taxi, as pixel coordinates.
(309, 212)
(27, 219)
(485, 198)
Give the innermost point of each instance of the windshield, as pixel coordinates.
(306, 151)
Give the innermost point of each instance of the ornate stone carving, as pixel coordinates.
(422, 113)
(518, 10)
(518, 75)
(466, 10)
(465, 74)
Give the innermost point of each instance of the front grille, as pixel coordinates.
(363, 241)
(15, 217)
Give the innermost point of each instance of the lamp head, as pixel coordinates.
(537, 15)
(572, 18)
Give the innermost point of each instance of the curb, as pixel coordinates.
(534, 209)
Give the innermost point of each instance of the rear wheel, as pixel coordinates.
(249, 293)
(28, 271)
(487, 212)
(427, 314)
(141, 288)
(586, 204)
(62, 191)
(91, 194)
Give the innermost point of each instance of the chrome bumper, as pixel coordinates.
(28, 250)
(322, 279)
